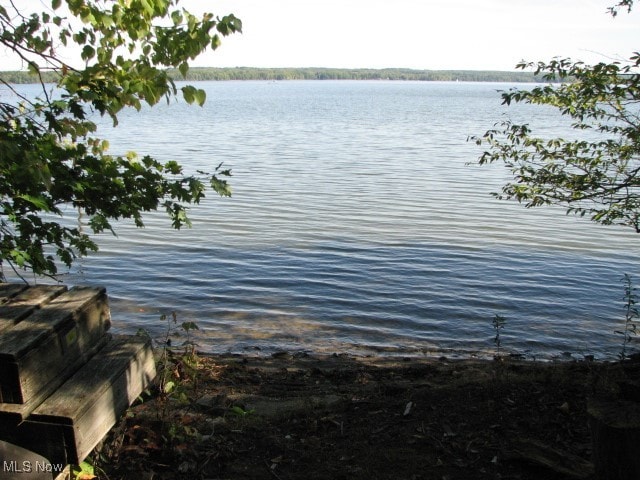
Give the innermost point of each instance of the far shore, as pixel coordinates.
(312, 73)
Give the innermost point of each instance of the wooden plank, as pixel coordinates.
(14, 413)
(17, 301)
(25, 301)
(65, 474)
(54, 316)
(8, 290)
(39, 348)
(91, 401)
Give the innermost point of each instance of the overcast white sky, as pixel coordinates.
(422, 34)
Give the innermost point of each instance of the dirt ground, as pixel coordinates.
(338, 417)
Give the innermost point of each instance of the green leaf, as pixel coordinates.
(189, 94)
(39, 202)
(148, 7)
(183, 68)
(186, 326)
(33, 68)
(177, 18)
(221, 187)
(241, 412)
(86, 467)
(107, 21)
(55, 4)
(215, 42)
(88, 52)
(200, 97)
(20, 258)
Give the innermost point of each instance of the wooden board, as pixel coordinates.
(18, 301)
(70, 423)
(14, 413)
(36, 352)
(8, 290)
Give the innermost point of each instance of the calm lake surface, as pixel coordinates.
(358, 226)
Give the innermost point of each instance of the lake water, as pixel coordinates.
(357, 226)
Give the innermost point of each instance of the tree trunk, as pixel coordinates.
(615, 432)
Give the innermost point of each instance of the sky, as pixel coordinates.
(419, 34)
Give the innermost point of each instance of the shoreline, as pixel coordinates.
(196, 74)
(289, 416)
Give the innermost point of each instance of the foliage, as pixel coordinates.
(241, 412)
(161, 426)
(597, 172)
(177, 368)
(50, 156)
(84, 471)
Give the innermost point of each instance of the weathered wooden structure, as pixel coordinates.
(64, 380)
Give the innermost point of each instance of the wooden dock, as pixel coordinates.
(64, 380)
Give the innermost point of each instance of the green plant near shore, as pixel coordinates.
(632, 316)
(177, 364)
(498, 323)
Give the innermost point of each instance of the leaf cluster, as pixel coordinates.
(595, 173)
(51, 159)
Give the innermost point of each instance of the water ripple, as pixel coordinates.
(358, 225)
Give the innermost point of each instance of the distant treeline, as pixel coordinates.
(249, 73)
